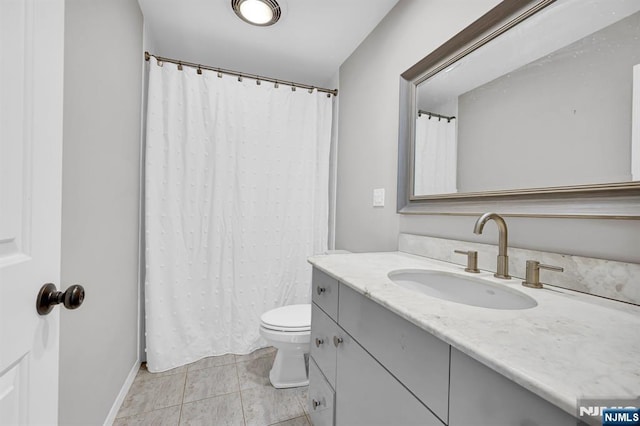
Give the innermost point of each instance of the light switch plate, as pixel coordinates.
(378, 197)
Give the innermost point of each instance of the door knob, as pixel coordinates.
(49, 296)
(319, 342)
(337, 340)
(320, 290)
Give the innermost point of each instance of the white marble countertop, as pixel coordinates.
(571, 345)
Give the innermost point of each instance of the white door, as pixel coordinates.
(31, 78)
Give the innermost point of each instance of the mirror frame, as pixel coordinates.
(604, 201)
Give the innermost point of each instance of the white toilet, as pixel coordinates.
(288, 329)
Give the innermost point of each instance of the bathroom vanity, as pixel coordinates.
(382, 354)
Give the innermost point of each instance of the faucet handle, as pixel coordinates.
(472, 260)
(532, 278)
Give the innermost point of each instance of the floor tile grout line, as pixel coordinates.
(207, 368)
(292, 418)
(301, 403)
(148, 376)
(304, 412)
(184, 391)
(147, 412)
(217, 395)
(151, 409)
(204, 368)
(180, 415)
(156, 378)
(244, 418)
(210, 397)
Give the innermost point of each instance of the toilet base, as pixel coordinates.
(289, 370)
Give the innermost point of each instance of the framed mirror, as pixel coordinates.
(535, 103)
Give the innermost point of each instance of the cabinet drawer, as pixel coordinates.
(368, 395)
(321, 400)
(325, 293)
(416, 358)
(479, 395)
(323, 351)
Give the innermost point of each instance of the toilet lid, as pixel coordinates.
(288, 318)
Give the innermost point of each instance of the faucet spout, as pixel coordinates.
(502, 270)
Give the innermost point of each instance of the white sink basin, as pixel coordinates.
(462, 289)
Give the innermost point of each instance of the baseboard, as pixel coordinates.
(122, 395)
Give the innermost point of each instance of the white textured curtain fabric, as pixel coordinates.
(435, 156)
(236, 200)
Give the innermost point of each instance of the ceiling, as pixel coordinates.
(307, 45)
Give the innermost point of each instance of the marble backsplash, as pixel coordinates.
(599, 277)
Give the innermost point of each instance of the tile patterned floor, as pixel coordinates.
(225, 390)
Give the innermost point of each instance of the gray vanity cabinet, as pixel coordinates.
(481, 396)
(322, 360)
(363, 387)
(417, 359)
(323, 351)
(366, 394)
(369, 366)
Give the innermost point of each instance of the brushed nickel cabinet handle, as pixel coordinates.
(320, 290)
(319, 342)
(337, 340)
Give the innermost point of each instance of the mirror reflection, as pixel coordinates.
(549, 103)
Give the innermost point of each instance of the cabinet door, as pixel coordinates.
(320, 403)
(366, 394)
(323, 350)
(480, 396)
(416, 358)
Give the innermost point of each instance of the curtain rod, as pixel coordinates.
(240, 75)
(433, 114)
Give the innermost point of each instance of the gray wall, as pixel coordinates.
(102, 91)
(368, 133)
(572, 107)
(368, 117)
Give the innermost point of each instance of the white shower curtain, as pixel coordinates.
(435, 156)
(236, 200)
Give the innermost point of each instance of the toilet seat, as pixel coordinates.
(291, 318)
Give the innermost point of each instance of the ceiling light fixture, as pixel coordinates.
(257, 12)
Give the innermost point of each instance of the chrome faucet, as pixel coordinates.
(502, 269)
